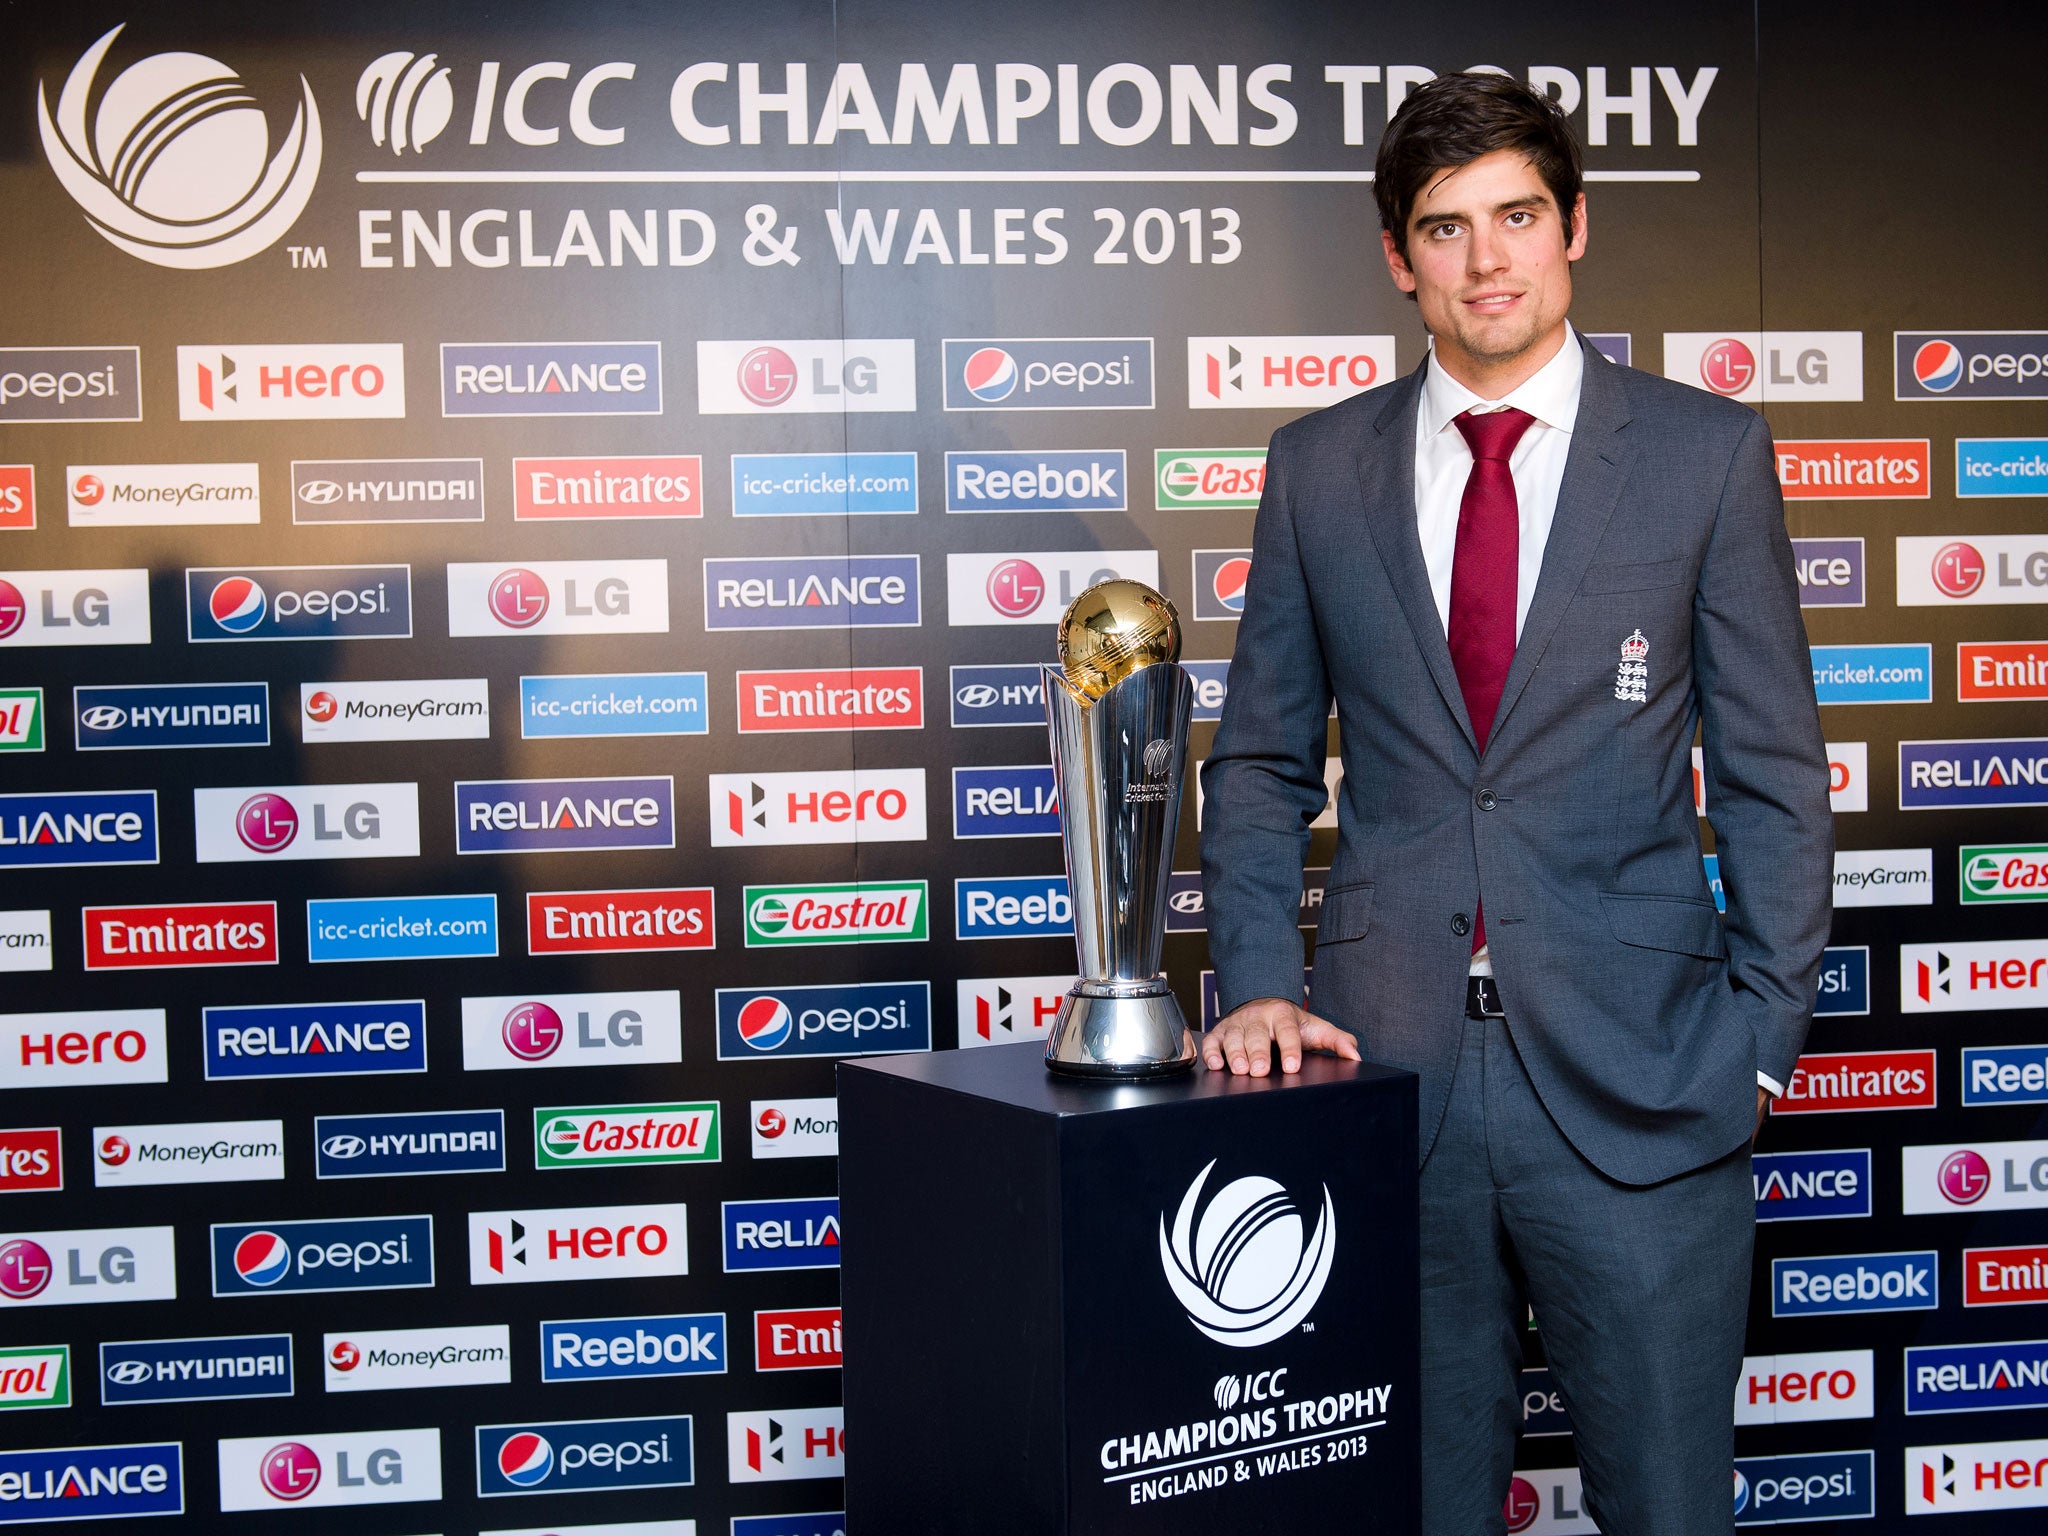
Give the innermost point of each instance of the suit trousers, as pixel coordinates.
(1640, 1294)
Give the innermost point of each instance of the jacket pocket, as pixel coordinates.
(1676, 923)
(1633, 577)
(1347, 914)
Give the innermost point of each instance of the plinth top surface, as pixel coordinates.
(1016, 1075)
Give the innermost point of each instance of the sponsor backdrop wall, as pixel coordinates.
(524, 536)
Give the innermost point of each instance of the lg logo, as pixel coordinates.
(1015, 589)
(519, 598)
(267, 823)
(25, 1269)
(1727, 368)
(1965, 1177)
(1958, 570)
(768, 376)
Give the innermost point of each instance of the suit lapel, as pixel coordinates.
(1386, 479)
(1594, 471)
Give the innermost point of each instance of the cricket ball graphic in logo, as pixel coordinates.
(171, 158)
(1240, 1262)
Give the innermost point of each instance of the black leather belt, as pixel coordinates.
(1482, 999)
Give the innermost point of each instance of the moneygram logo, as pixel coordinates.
(868, 1019)
(1199, 478)
(431, 709)
(197, 1152)
(314, 1039)
(625, 1135)
(549, 378)
(1111, 373)
(171, 160)
(795, 1127)
(387, 491)
(1229, 372)
(377, 1360)
(162, 495)
(792, 377)
(617, 487)
(314, 602)
(1053, 480)
(1768, 365)
(53, 384)
(876, 911)
(1855, 469)
(571, 1029)
(1243, 1263)
(366, 1253)
(1970, 365)
(558, 597)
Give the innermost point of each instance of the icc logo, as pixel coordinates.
(171, 159)
(1244, 1271)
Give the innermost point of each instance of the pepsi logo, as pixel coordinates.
(321, 707)
(344, 1356)
(1741, 1491)
(1964, 1176)
(238, 604)
(25, 1269)
(114, 1151)
(766, 1023)
(291, 1471)
(1522, 1505)
(1015, 589)
(1728, 367)
(1938, 366)
(1229, 582)
(771, 1122)
(526, 1459)
(519, 598)
(88, 490)
(267, 823)
(532, 1031)
(990, 374)
(13, 608)
(1958, 569)
(767, 376)
(263, 1258)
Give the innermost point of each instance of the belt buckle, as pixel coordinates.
(1487, 995)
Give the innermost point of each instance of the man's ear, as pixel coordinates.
(1397, 262)
(1577, 245)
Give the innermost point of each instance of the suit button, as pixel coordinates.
(1461, 925)
(1488, 800)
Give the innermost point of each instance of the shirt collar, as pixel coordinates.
(1551, 394)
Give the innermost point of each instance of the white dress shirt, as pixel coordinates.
(1443, 463)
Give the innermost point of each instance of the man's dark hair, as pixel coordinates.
(1455, 119)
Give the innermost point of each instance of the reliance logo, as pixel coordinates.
(563, 815)
(781, 1234)
(95, 1482)
(1804, 1186)
(551, 378)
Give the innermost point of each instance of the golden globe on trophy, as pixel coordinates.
(1118, 707)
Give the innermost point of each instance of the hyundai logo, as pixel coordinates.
(129, 1373)
(342, 1146)
(976, 696)
(320, 492)
(103, 717)
(1186, 901)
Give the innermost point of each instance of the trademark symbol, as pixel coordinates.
(306, 257)
(1308, 1327)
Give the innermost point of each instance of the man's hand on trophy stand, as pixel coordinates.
(1247, 1036)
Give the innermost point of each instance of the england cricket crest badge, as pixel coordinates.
(1632, 676)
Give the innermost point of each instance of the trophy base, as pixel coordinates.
(1119, 1037)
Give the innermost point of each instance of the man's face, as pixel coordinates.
(1488, 258)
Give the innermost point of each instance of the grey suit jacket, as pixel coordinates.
(1642, 1016)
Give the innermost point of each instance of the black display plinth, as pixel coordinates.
(1039, 1273)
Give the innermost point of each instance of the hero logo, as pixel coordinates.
(174, 166)
(291, 382)
(1244, 1272)
(586, 1243)
(767, 376)
(1237, 371)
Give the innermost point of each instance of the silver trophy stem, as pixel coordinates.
(1118, 763)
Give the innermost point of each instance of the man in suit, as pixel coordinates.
(1525, 575)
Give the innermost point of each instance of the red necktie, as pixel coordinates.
(1484, 574)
